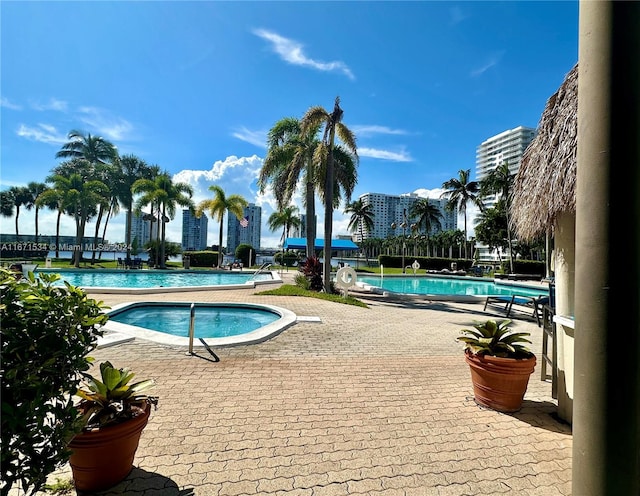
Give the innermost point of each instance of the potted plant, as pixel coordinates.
(500, 364)
(114, 412)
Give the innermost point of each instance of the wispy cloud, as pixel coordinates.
(493, 61)
(4, 102)
(401, 156)
(370, 130)
(113, 128)
(52, 104)
(258, 138)
(43, 133)
(292, 52)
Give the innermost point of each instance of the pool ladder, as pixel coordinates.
(264, 266)
(192, 327)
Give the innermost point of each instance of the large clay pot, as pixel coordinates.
(500, 383)
(104, 457)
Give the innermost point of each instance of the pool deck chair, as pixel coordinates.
(534, 303)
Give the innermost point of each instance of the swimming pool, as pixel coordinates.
(446, 287)
(149, 281)
(219, 324)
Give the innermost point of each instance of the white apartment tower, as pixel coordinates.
(508, 146)
(142, 231)
(194, 231)
(389, 209)
(245, 230)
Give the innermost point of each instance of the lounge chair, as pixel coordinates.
(535, 303)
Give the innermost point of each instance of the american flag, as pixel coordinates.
(244, 222)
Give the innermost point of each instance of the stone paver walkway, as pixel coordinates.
(368, 401)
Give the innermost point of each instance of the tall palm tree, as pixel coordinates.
(6, 203)
(35, 190)
(94, 149)
(285, 218)
(166, 196)
(53, 199)
(131, 168)
(325, 154)
(80, 197)
(460, 192)
(499, 182)
(361, 217)
(427, 215)
(217, 206)
(21, 197)
(290, 154)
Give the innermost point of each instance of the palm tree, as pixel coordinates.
(79, 197)
(325, 154)
(21, 197)
(53, 199)
(35, 190)
(94, 149)
(499, 181)
(361, 217)
(217, 206)
(166, 196)
(427, 214)
(460, 192)
(285, 218)
(290, 154)
(131, 168)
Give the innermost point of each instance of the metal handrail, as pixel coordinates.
(264, 266)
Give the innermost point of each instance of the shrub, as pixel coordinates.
(47, 332)
(311, 268)
(243, 252)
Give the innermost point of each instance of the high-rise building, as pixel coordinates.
(194, 231)
(390, 209)
(142, 229)
(245, 230)
(301, 232)
(508, 146)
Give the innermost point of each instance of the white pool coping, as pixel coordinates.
(116, 332)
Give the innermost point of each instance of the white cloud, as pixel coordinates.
(113, 128)
(52, 104)
(4, 102)
(401, 156)
(435, 193)
(258, 138)
(292, 52)
(370, 130)
(44, 133)
(493, 61)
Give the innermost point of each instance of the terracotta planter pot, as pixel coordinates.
(102, 458)
(500, 383)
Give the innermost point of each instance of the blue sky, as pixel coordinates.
(194, 87)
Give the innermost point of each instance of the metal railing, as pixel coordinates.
(263, 267)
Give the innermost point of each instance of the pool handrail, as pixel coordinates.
(265, 265)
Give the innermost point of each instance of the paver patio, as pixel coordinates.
(374, 401)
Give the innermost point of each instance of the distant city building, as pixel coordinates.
(194, 231)
(388, 209)
(301, 232)
(246, 230)
(142, 229)
(508, 146)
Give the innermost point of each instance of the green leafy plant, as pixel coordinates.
(47, 332)
(112, 399)
(495, 339)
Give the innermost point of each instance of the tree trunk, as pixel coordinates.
(311, 220)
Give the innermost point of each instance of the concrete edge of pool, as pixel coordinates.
(276, 279)
(111, 328)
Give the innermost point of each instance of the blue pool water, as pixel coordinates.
(211, 320)
(447, 286)
(139, 279)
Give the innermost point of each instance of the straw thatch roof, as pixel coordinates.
(545, 183)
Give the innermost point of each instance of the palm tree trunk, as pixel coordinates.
(17, 215)
(311, 220)
(104, 231)
(96, 234)
(37, 209)
(163, 262)
(328, 218)
(58, 233)
(220, 254)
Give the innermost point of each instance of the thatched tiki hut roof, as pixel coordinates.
(545, 183)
